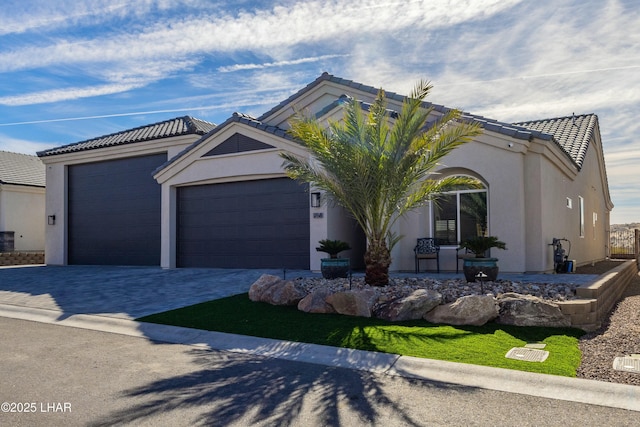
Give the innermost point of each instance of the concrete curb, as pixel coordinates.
(540, 385)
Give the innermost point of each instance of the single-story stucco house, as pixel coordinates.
(186, 193)
(22, 203)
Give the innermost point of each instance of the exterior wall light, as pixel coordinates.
(51, 219)
(315, 200)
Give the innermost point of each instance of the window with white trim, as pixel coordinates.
(459, 215)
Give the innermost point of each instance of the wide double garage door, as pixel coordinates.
(248, 224)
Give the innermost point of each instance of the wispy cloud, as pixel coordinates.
(305, 22)
(24, 146)
(58, 95)
(125, 60)
(576, 57)
(217, 106)
(538, 76)
(39, 15)
(243, 67)
(45, 15)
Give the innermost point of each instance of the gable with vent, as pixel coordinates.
(237, 143)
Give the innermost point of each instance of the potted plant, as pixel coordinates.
(479, 246)
(333, 267)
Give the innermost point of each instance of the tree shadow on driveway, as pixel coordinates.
(248, 390)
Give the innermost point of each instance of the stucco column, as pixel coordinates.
(168, 227)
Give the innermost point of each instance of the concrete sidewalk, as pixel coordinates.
(108, 298)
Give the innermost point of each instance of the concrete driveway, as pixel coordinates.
(123, 292)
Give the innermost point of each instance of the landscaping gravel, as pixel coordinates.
(450, 289)
(619, 336)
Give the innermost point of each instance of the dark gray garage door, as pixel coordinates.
(250, 224)
(114, 212)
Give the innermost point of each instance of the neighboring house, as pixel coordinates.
(219, 197)
(22, 202)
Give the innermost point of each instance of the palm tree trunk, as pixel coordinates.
(377, 260)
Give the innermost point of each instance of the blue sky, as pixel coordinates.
(74, 70)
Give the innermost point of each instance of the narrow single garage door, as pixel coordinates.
(249, 224)
(114, 212)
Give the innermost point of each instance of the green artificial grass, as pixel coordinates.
(484, 345)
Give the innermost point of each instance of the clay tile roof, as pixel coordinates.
(174, 127)
(571, 133)
(489, 124)
(21, 169)
(252, 121)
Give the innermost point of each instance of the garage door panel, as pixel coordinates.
(251, 224)
(114, 212)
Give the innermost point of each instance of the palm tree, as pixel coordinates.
(379, 165)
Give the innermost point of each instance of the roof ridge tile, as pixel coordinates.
(162, 129)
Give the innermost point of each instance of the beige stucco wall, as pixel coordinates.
(561, 221)
(528, 187)
(22, 211)
(549, 217)
(499, 166)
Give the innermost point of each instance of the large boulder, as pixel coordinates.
(315, 302)
(273, 290)
(475, 310)
(263, 283)
(528, 310)
(411, 307)
(353, 303)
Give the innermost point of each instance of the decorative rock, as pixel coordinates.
(275, 291)
(315, 302)
(475, 310)
(411, 307)
(263, 283)
(353, 303)
(527, 310)
(285, 293)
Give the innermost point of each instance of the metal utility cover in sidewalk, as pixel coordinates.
(527, 354)
(627, 364)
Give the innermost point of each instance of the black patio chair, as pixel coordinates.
(427, 248)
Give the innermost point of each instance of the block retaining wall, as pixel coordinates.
(598, 298)
(21, 258)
